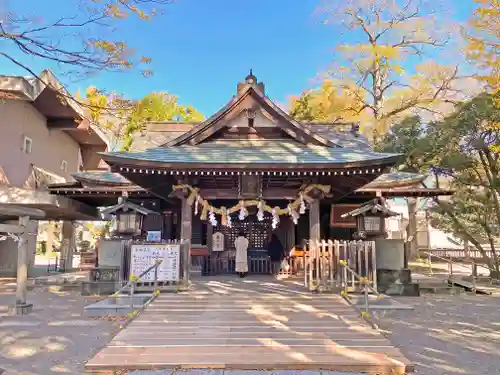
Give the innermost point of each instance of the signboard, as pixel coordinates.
(143, 256)
(336, 219)
(217, 241)
(154, 236)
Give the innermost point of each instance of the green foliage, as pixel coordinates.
(460, 153)
(124, 118)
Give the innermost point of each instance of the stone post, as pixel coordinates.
(68, 244)
(22, 307)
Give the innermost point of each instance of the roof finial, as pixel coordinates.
(251, 79)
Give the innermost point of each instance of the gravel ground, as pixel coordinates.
(448, 335)
(54, 339)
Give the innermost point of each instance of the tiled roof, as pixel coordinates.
(253, 152)
(340, 136)
(395, 179)
(103, 177)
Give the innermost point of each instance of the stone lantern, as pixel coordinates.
(370, 219)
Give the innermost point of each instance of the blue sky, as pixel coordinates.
(202, 48)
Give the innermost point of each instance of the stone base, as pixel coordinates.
(21, 309)
(406, 290)
(397, 283)
(98, 288)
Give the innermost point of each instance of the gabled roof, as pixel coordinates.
(213, 123)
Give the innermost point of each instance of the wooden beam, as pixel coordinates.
(64, 124)
(11, 228)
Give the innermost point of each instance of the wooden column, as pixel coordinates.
(186, 234)
(21, 306)
(168, 224)
(210, 233)
(314, 221)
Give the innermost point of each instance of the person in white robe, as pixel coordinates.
(241, 244)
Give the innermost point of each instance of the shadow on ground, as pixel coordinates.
(452, 335)
(54, 339)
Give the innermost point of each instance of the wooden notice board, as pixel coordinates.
(144, 256)
(336, 219)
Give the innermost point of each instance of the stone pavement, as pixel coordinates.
(55, 339)
(448, 335)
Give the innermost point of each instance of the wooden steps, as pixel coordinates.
(250, 331)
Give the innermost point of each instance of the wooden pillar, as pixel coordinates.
(186, 234)
(168, 223)
(210, 233)
(21, 306)
(314, 221)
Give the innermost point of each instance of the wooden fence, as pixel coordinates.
(322, 268)
(212, 266)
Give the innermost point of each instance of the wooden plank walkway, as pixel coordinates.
(250, 324)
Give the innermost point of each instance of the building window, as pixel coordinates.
(64, 166)
(27, 145)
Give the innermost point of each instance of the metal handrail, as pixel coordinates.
(133, 280)
(470, 264)
(473, 265)
(363, 281)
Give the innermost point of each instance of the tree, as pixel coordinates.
(82, 42)
(484, 42)
(126, 117)
(387, 38)
(460, 151)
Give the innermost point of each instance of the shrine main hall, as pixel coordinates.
(249, 166)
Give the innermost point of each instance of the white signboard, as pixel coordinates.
(217, 241)
(154, 236)
(145, 255)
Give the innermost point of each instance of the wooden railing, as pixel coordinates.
(472, 253)
(322, 263)
(227, 265)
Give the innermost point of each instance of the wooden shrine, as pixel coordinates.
(249, 166)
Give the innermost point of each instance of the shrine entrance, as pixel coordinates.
(258, 231)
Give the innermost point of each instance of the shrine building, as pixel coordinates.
(249, 166)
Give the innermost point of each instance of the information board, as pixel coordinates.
(144, 256)
(217, 241)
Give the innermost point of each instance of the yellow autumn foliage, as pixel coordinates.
(484, 42)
